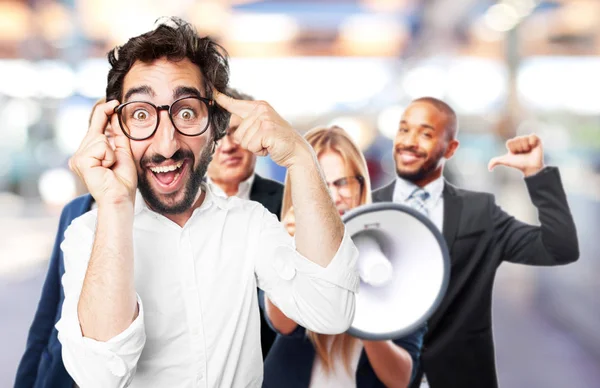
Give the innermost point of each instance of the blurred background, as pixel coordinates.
(508, 67)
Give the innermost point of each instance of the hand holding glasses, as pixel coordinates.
(108, 170)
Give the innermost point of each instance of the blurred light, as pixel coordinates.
(425, 80)
(482, 31)
(57, 186)
(16, 116)
(54, 20)
(56, 79)
(583, 93)
(263, 28)
(541, 83)
(362, 134)
(115, 21)
(210, 16)
(561, 83)
(521, 7)
(18, 78)
(501, 17)
(388, 120)
(581, 15)
(475, 85)
(15, 21)
(387, 5)
(71, 126)
(92, 76)
(372, 35)
(310, 86)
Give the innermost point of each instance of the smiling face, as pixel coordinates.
(170, 165)
(231, 164)
(422, 144)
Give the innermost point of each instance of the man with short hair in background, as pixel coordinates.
(231, 173)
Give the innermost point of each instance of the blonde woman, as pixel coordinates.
(300, 358)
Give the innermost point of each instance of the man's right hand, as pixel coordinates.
(109, 174)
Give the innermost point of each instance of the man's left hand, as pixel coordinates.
(525, 153)
(262, 131)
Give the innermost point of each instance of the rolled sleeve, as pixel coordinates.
(320, 299)
(93, 363)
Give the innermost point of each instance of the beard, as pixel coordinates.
(428, 167)
(166, 204)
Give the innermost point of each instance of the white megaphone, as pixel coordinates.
(404, 267)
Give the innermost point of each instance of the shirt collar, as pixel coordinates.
(404, 188)
(243, 188)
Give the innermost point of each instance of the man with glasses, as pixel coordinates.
(160, 281)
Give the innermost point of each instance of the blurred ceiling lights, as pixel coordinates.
(357, 128)
(15, 21)
(372, 35)
(506, 14)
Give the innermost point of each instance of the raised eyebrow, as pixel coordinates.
(144, 89)
(186, 91)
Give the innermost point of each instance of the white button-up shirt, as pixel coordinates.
(198, 322)
(244, 188)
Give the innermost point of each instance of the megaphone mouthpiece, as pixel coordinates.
(373, 267)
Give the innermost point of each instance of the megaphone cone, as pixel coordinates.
(404, 266)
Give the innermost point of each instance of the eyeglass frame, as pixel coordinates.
(210, 103)
(359, 178)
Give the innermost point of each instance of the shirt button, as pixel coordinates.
(284, 268)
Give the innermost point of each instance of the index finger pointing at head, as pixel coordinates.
(240, 108)
(100, 117)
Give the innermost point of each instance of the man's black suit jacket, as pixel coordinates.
(270, 194)
(458, 349)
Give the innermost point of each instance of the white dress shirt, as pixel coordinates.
(434, 204)
(198, 322)
(244, 188)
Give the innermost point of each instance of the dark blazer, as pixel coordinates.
(459, 349)
(41, 365)
(290, 361)
(270, 194)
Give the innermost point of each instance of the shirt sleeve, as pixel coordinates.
(320, 299)
(93, 363)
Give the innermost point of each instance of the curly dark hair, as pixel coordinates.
(176, 40)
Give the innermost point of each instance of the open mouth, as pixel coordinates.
(168, 176)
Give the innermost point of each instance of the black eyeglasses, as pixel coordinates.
(345, 186)
(190, 116)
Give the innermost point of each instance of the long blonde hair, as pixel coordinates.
(324, 139)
